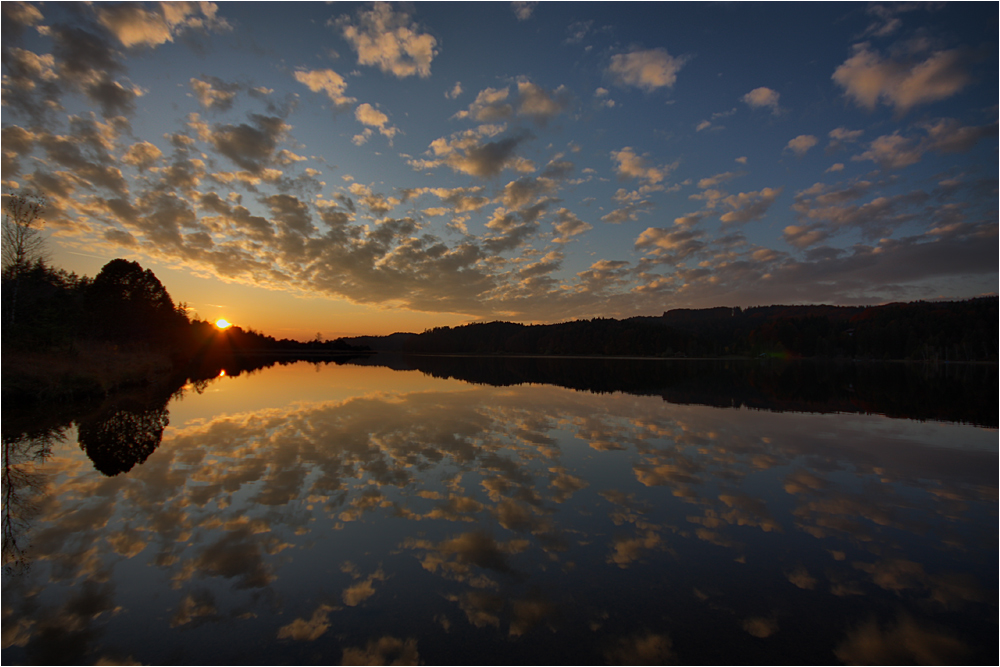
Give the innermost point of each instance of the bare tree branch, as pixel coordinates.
(23, 244)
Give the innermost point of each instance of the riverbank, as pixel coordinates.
(82, 371)
(93, 370)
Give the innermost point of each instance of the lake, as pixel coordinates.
(511, 511)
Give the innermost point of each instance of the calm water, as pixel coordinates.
(362, 514)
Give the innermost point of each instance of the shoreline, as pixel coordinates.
(641, 358)
(99, 370)
(96, 370)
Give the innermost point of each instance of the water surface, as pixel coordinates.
(360, 514)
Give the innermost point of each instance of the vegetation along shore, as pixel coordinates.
(69, 337)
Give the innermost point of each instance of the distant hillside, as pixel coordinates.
(928, 331)
(391, 343)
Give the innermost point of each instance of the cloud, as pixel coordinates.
(290, 213)
(311, 630)
(385, 651)
(389, 40)
(329, 82)
(892, 152)
(87, 154)
(886, 16)
(903, 641)
(134, 24)
(274, 224)
(648, 70)
(631, 165)
(142, 155)
(840, 136)
(368, 115)
(718, 179)
(868, 79)
(17, 16)
(531, 101)
(86, 62)
(577, 31)
(762, 97)
(359, 592)
(706, 124)
(605, 275)
(801, 578)
(237, 555)
(250, 146)
(195, 608)
(523, 10)
(215, 94)
(490, 105)
(801, 144)
(567, 225)
(558, 168)
(539, 104)
(377, 203)
(460, 200)
(526, 190)
(628, 212)
(747, 206)
(760, 627)
(455, 91)
(470, 153)
(551, 261)
(830, 210)
(642, 649)
(946, 135)
(672, 244)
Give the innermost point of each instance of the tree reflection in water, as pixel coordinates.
(123, 436)
(23, 483)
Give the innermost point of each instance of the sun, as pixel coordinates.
(222, 324)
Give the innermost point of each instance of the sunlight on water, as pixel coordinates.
(360, 514)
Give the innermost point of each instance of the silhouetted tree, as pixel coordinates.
(128, 303)
(23, 243)
(49, 305)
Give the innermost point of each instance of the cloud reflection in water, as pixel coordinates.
(616, 525)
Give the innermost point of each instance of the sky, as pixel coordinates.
(348, 169)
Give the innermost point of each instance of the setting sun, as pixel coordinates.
(222, 324)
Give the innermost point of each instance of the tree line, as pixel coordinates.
(926, 331)
(124, 304)
(944, 392)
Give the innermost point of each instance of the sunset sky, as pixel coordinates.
(362, 169)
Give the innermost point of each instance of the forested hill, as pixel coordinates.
(928, 331)
(66, 336)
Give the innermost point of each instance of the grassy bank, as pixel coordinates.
(85, 370)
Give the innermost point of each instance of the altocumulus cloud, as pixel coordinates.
(520, 202)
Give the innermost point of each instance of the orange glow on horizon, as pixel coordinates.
(222, 324)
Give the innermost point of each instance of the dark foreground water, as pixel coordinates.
(358, 514)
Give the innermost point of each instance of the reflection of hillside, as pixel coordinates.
(211, 363)
(945, 392)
